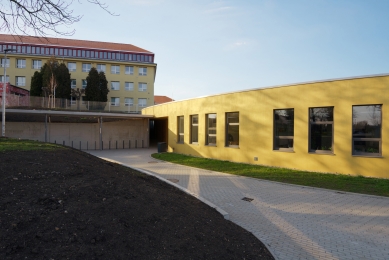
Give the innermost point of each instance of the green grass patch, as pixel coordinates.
(357, 184)
(9, 144)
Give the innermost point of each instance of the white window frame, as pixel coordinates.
(70, 66)
(115, 69)
(36, 66)
(2, 78)
(7, 62)
(142, 71)
(129, 86)
(128, 101)
(83, 82)
(20, 81)
(113, 86)
(116, 101)
(142, 105)
(100, 68)
(21, 63)
(142, 87)
(129, 70)
(73, 85)
(86, 67)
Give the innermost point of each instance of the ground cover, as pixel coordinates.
(61, 203)
(357, 184)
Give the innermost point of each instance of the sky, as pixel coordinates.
(207, 47)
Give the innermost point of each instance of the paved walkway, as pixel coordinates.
(295, 222)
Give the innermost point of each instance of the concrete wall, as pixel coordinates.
(126, 132)
(256, 108)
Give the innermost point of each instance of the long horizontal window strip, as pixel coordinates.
(77, 53)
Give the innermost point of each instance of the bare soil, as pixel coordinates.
(66, 204)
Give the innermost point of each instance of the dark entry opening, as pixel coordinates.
(158, 131)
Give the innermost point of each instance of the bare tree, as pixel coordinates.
(42, 17)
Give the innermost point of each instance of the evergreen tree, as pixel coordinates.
(63, 82)
(96, 86)
(36, 84)
(103, 83)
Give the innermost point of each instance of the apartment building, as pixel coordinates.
(130, 70)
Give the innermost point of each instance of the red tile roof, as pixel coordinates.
(71, 43)
(162, 99)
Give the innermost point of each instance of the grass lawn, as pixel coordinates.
(357, 184)
(9, 144)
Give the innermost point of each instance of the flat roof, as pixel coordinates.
(77, 113)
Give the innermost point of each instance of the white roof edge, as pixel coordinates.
(281, 86)
(76, 113)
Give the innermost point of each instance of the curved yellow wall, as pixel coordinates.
(255, 109)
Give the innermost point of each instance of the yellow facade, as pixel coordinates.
(256, 125)
(79, 75)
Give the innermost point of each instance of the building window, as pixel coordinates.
(142, 71)
(115, 85)
(321, 129)
(194, 129)
(210, 129)
(101, 67)
(283, 129)
(86, 67)
(232, 129)
(180, 129)
(20, 63)
(2, 79)
(115, 101)
(73, 83)
(142, 102)
(142, 87)
(367, 125)
(115, 69)
(20, 81)
(72, 66)
(129, 86)
(130, 70)
(37, 64)
(84, 83)
(6, 63)
(128, 102)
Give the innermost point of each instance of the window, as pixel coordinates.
(180, 129)
(84, 83)
(20, 63)
(20, 81)
(367, 125)
(128, 101)
(232, 129)
(2, 79)
(72, 100)
(142, 102)
(86, 67)
(6, 63)
(194, 129)
(101, 67)
(115, 69)
(142, 71)
(73, 83)
(115, 85)
(321, 129)
(210, 129)
(83, 100)
(36, 64)
(283, 129)
(142, 87)
(129, 86)
(115, 101)
(130, 70)
(72, 66)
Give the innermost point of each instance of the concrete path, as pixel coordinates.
(295, 222)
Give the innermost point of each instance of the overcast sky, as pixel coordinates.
(209, 47)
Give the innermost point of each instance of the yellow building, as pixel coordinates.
(337, 126)
(130, 70)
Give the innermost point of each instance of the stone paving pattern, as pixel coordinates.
(295, 222)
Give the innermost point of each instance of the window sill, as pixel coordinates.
(321, 153)
(232, 146)
(194, 144)
(212, 145)
(284, 150)
(367, 156)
